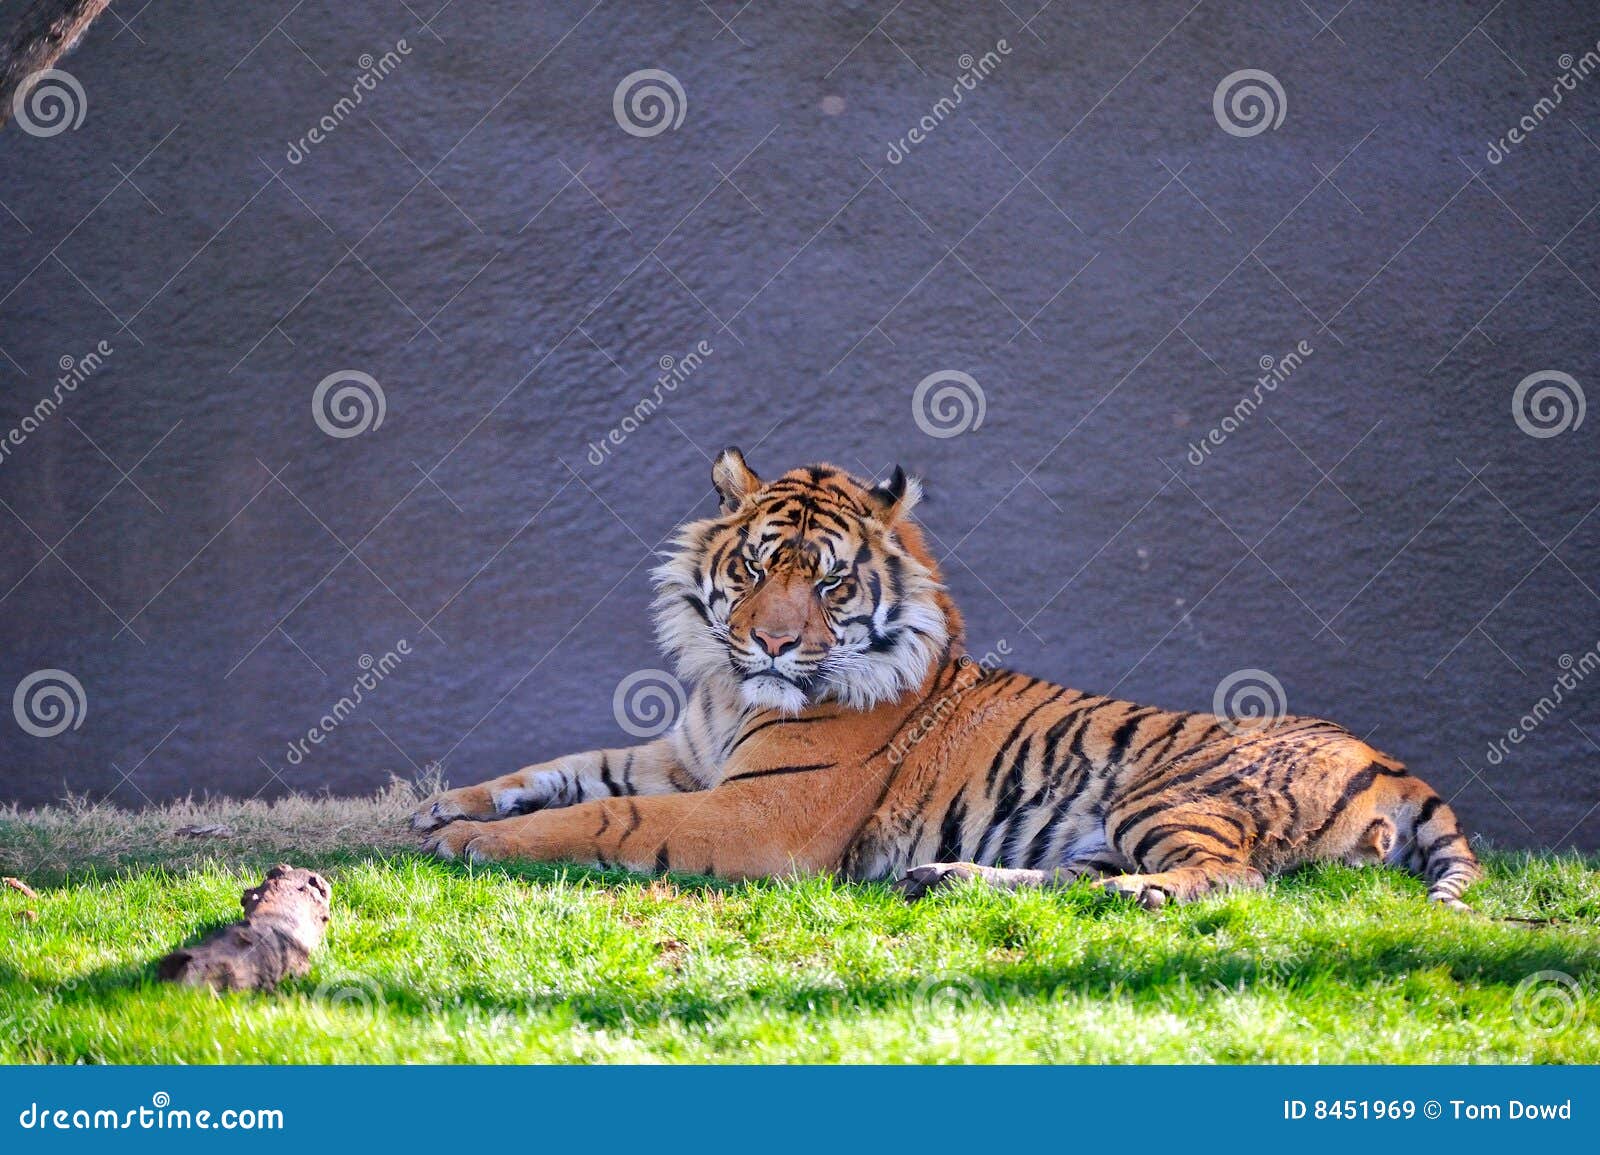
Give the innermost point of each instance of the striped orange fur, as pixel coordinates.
(835, 723)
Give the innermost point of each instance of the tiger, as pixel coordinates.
(833, 722)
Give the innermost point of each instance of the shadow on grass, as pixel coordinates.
(1104, 971)
(1477, 954)
(1200, 952)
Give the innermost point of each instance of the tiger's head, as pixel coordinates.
(813, 587)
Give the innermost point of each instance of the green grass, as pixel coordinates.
(435, 962)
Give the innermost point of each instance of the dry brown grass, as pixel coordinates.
(48, 843)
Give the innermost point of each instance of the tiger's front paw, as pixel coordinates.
(468, 802)
(469, 841)
(924, 880)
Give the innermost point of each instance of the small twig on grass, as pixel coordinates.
(206, 830)
(18, 885)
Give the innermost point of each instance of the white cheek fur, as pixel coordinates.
(853, 674)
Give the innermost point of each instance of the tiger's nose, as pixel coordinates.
(775, 644)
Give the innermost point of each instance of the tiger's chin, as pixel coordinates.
(770, 692)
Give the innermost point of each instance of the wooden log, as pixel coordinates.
(285, 918)
(43, 32)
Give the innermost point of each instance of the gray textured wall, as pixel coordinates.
(1082, 237)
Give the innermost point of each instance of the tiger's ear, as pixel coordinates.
(733, 479)
(896, 497)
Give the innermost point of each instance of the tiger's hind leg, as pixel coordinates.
(922, 880)
(1181, 849)
(1185, 883)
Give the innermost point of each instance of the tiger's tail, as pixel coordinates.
(1434, 846)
